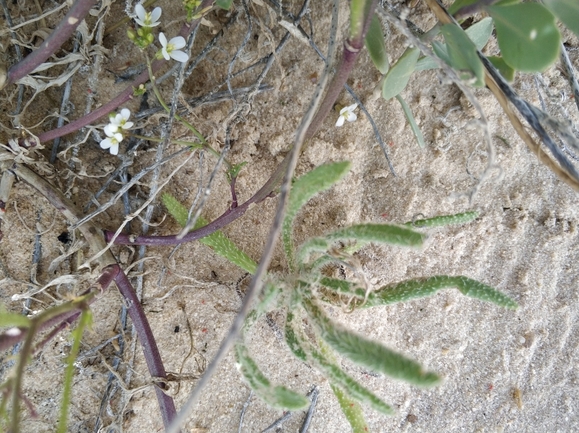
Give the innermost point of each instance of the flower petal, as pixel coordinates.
(165, 54)
(163, 41)
(180, 56)
(141, 13)
(127, 125)
(352, 107)
(106, 143)
(177, 42)
(125, 113)
(114, 149)
(340, 121)
(350, 117)
(118, 137)
(110, 129)
(155, 15)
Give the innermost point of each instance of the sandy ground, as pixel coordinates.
(504, 371)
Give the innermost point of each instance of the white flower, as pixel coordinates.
(112, 141)
(147, 19)
(119, 121)
(170, 49)
(347, 113)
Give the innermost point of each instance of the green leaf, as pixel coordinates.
(339, 377)
(527, 35)
(505, 70)
(84, 322)
(415, 129)
(304, 188)
(13, 319)
(383, 233)
(479, 33)
(376, 46)
(276, 396)
(463, 54)
(427, 63)
(351, 410)
(292, 339)
(220, 243)
(397, 77)
(367, 353)
(459, 4)
(224, 4)
(444, 220)
(567, 11)
(421, 288)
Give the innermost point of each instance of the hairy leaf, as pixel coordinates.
(304, 188)
(276, 396)
(376, 46)
(382, 233)
(527, 34)
(367, 353)
(397, 77)
(352, 410)
(220, 243)
(444, 220)
(421, 288)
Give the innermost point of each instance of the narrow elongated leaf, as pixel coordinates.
(357, 391)
(397, 77)
(567, 11)
(421, 288)
(319, 179)
(220, 243)
(351, 410)
(324, 361)
(463, 54)
(444, 220)
(276, 396)
(410, 117)
(376, 46)
(367, 353)
(13, 319)
(383, 233)
(527, 35)
(84, 322)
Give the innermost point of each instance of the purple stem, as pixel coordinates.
(122, 97)
(148, 343)
(352, 49)
(228, 217)
(58, 37)
(63, 319)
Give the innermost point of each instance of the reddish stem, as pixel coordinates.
(58, 37)
(122, 97)
(148, 343)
